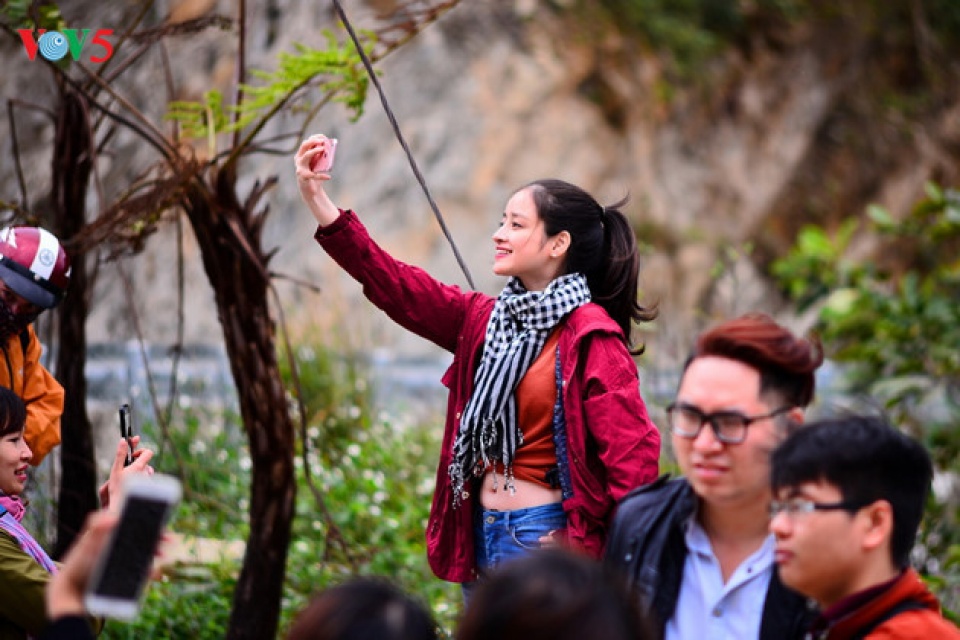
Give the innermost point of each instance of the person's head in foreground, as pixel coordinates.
(849, 494)
(363, 609)
(553, 594)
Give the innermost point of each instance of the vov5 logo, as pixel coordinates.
(54, 45)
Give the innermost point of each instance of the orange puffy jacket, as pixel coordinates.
(21, 371)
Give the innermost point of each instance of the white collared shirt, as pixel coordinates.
(708, 609)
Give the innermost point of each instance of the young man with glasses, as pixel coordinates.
(698, 547)
(850, 493)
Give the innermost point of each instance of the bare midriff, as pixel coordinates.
(526, 494)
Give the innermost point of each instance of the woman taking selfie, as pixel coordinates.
(545, 427)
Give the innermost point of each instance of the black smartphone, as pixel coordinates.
(123, 567)
(126, 432)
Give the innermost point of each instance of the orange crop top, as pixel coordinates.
(536, 395)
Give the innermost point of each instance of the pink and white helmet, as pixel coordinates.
(34, 265)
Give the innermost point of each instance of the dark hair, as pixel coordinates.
(363, 609)
(603, 248)
(553, 594)
(867, 459)
(13, 413)
(785, 362)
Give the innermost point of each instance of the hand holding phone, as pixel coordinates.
(123, 567)
(322, 162)
(111, 488)
(66, 588)
(126, 432)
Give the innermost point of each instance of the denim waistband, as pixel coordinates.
(517, 516)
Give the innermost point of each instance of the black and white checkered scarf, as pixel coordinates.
(518, 328)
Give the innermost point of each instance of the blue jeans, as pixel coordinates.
(499, 536)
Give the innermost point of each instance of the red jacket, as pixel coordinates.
(612, 446)
(925, 623)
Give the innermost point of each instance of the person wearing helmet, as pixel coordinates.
(34, 274)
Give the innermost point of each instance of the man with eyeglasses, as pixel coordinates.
(850, 494)
(698, 547)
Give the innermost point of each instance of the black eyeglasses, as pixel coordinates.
(728, 426)
(801, 506)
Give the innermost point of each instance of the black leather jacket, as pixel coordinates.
(646, 544)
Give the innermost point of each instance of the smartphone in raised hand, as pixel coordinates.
(323, 161)
(126, 432)
(123, 567)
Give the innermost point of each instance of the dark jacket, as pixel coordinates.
(610, 444)
(647, 545)
(68, 628)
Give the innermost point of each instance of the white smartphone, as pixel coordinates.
(123, 567)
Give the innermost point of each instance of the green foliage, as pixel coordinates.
(896, 326)
(379, 493)
(335, 71)
(938, 19)
(347, 79)
(18, 14)
(375, 474)
(187, 603)
(912, 43)
(200, 119)
(807, 273)
(335, 396)
(690, 32)
(945, 19)
(895, 319)
(26, 14)
(209, 455)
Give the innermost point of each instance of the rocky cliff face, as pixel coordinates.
(498, 93)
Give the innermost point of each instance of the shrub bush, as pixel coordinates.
(374, 474)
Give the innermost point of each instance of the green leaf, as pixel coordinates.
(842, 301)
(880, 216)
(335, 71)
(814, 241)
(952, 212)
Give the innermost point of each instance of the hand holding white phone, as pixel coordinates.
(123, 568)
